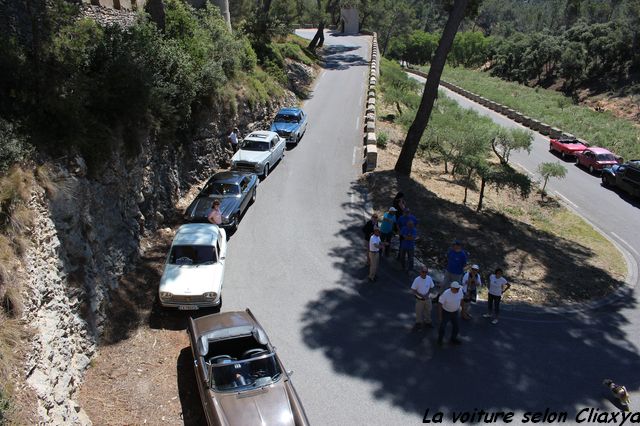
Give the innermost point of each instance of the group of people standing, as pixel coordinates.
(459, 287)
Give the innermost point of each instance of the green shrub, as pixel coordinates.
(13, 147)
(381, 139)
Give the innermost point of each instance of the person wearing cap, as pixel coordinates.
(374, 253)
(498, 285)
(456, 262)
(233, 137)
(386, 228)
(448, 307)
(408, 245)
(421, 289)
(470, 283)
(367, 230)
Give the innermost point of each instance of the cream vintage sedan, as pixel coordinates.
(194, 270)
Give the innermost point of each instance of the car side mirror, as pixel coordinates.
(223, 257)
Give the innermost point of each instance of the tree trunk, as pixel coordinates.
(410, 146)
(466, 186)
(318, 39)
(482, 185)
(224, 10)
(398, 106)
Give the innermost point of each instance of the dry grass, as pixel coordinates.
(550, 254)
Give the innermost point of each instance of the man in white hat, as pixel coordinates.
(449, 305)
(471, 281)
(421, 289)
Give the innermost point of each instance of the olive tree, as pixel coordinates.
(549, 170)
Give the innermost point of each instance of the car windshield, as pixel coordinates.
(255, 146)
(568, 141)
(606, 157)
(232, 375)
(286, 118)
(221, 189)
(192, 255)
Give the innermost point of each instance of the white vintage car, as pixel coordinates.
(194, 270)
(259, 152)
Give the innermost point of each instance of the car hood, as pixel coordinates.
(250, 156)
(574, 147)
(201, 207)
(285, 127)
(189, 280)
(265, 406)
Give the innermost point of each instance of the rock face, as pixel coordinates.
(86, 235)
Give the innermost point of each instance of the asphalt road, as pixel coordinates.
(297, 262)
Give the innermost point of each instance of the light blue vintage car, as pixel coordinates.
(290, 123)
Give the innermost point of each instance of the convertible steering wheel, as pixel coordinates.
(220, 359)
(253, 353)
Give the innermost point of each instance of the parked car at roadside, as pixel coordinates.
(194, 269)
(259, 152)
(240, 378)
(596, 159)
(235, 191)
(566, 147)
(290, 124)
(624, 176)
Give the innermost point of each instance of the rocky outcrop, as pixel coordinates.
(88, 228)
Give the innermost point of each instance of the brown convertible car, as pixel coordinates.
(240, 378)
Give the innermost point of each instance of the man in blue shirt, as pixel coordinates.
(408, 245)
(456, 261)
(402, 222)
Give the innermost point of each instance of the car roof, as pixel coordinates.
(598, 150)
(229, 177)
(196, 234)
(289, 110)
(261, 135)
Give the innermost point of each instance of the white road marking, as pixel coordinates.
(625, 243)
(361, 98)
(568, 201)
(524, 168)
(355, 154)
(353, 201)
(358, 123)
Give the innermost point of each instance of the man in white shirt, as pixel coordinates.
(498, 285)
(233, 137)
(421, 289)
(449, 305)
(471, 281)
(374, 253)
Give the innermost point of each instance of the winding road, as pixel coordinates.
(296, 261)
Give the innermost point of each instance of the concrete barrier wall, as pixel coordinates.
(531, 123)
(370, 160)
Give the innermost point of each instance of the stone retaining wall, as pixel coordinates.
(370, 141)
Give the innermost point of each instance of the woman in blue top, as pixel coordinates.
(386, 228)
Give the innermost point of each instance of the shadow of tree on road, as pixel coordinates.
(335, 57)
(526, 363)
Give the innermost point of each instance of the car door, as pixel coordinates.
(280, 146)
(245, 195)
(589, 158)
(200, 371)
(303, 121)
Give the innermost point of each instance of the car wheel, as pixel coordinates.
(265, 171)
(577, 161)
(253, 196)
(550, 147)
(219, 307)
(605, 181)
(563, 155)
(591, 169)
(236, 221)
(299, 137)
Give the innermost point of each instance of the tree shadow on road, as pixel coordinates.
(526, 363)
(335, 57)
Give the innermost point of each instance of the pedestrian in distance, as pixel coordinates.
(402, 222)
(449, 305)
(386, 229)
(471, 281)
(399, 203)
(409, 235)
(233, 138)
(422, 290)
(375, 244)
(215, 216)
(456, 262)
(367, 230)
(498, 285)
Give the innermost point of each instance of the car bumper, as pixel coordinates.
(190, 306)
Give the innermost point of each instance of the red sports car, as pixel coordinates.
(566, 147)
(596, 159)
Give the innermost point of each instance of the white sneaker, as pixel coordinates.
(495, 321)
(486, 315)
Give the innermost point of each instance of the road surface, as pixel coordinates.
(296, 261)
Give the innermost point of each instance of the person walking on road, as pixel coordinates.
(498, 285)
(456, 262)
(408, 245)
(449, 305)
(215, 216)
(386, 228)
(421, 289)
(367, 230)
(233, 138)
(471, 281)
(374, 254)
